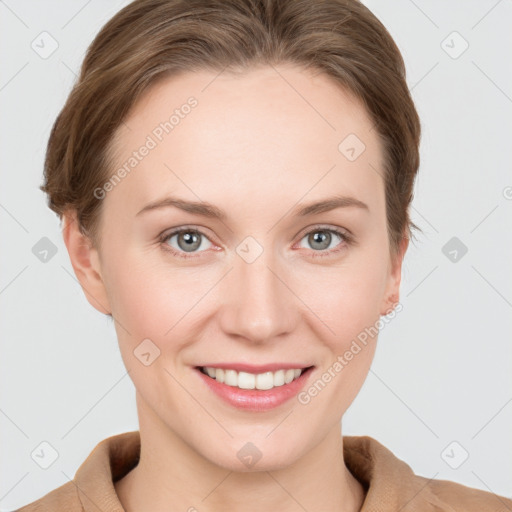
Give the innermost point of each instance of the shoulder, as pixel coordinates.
(64, 498)
(392, 485)
(93, 482)
(465, 499)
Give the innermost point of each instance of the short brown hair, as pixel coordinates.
(150, 39)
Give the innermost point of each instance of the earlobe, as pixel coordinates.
(85, 262)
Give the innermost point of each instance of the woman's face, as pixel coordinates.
(259, 285)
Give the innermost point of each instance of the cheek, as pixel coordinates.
(149, 306)
(148, 303)
(349, 331)
(142, 297)
(152, 300)
(347, 299)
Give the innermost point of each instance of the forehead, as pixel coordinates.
(276, 132)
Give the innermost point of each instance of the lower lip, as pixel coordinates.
(255, 399)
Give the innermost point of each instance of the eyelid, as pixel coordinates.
(327, 227)
(186, 227)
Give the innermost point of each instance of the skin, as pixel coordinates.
(256, 146)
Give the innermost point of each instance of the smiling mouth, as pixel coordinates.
(260, 381)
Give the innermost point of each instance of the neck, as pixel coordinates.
(171, 476)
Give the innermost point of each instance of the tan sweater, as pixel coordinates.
(390, 484)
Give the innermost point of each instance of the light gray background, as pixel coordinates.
(443, 367)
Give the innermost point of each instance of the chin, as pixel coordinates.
(251, 457)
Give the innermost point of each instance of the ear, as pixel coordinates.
(392, 295)
(85, 261)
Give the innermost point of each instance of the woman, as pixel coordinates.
(234, 179)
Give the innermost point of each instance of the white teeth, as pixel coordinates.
(279, 378)
(230, 378)
(245, 380)
(288, 376)
(265, 380)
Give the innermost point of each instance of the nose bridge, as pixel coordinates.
(259, 306)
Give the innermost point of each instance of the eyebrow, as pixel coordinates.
(211, 211)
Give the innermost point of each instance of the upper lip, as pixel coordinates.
(255, 368)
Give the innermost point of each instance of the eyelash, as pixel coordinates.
(347, 239)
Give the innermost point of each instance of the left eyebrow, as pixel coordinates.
(329, 204)
(209, 210)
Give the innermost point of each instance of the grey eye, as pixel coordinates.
(320, 239)
(187, 240)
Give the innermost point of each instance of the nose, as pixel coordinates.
(257, 304)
